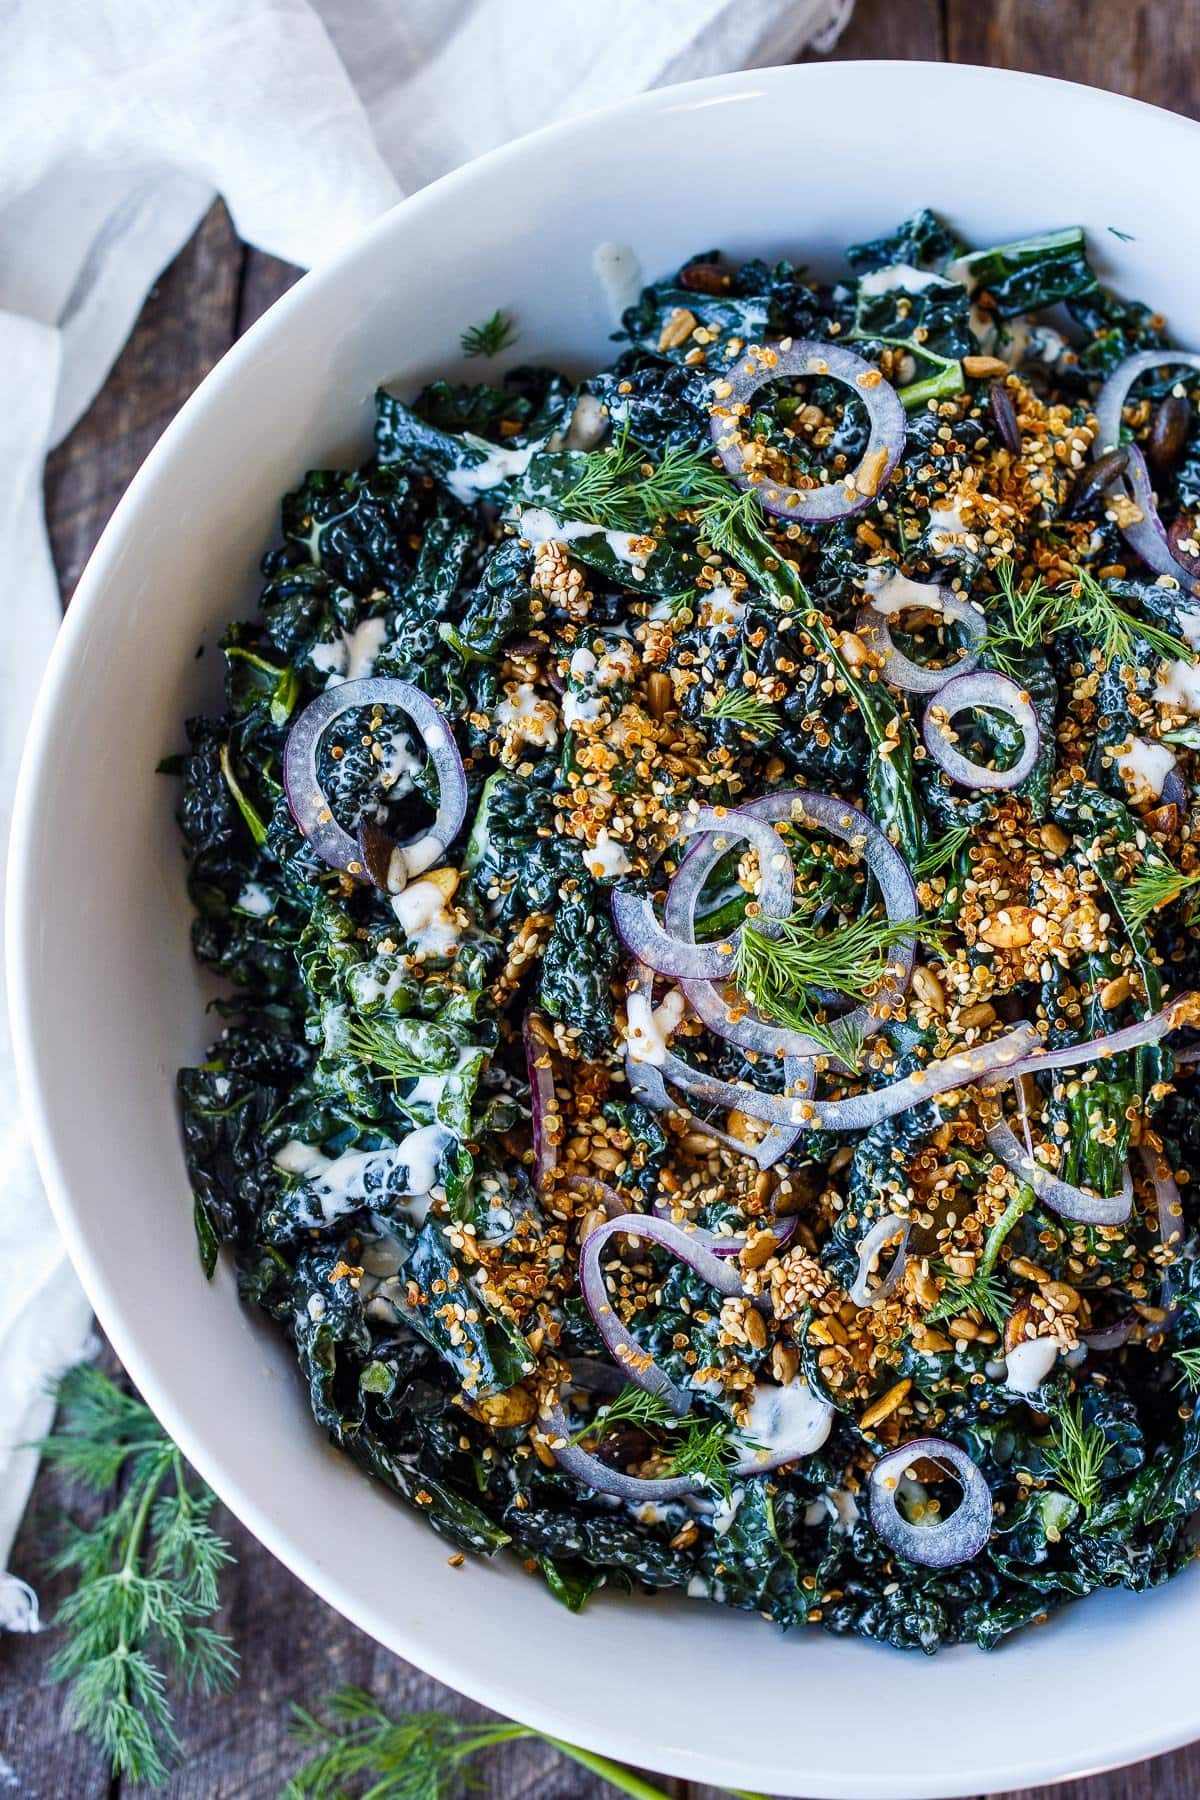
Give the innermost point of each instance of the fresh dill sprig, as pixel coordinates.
(1189, 1367)
(1076, 1456)
(741, 706)
(490, 336)
(147, 1574)
(773, 962)
(1031, 615)
(622, 489)
(376, 1042)
(943, 850)
(984, 1294)
(358, 1748)
(1151, 887)
(708, 1449)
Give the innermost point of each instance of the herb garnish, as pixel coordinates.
(490, 336)
(1084, 605)
(1189, 1364)
(743, 707)
(708, 1449)
(623, 489)
(1151, 886)
(1076, 1456)
(147, 1573)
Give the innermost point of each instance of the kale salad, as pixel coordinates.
(705, 858)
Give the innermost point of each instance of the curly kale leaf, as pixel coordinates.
(923, 241)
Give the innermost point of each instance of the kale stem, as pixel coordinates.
(1016, 1209)
(623, 1780)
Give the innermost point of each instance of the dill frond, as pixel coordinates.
(375, 1042)
(1076, 1456)
(1189, 1367)
(490, 336)
(1152, 886)
(707, 1449)
(147, 1572)
(943, 850)
(622, 489)
(741, 706)
(1031, 615)
(773, 962)
(984, 1294)
(417, 1756)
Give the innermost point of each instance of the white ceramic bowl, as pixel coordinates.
(107, 1004)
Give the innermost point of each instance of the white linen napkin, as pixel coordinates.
(120, 120)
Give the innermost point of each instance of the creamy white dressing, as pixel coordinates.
(340, 1184)
(1028, 1364)
(1143, 766)
(351, 657)
(1179, 686)
(1187, 621)
(946, 528)
(581, 710)
(726, 1511)
(901, 275)
(497, 465)
(721, 610)
(528, 717)
(399, 763)
(837, 1504)
(537, 525)
(424, 915)
(893, 592)
(788, 1418)
(649, 1043)
(619, 273)
(255, 900)
(606, 858)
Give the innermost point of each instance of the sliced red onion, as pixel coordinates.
(860, 1111)
(590, 1472)
(667, 954)
(1146, 535)
(1062, 1197)
(733, 394)
(1110, 1337)
(1151, 1030)
(310, 807)
(543, 1105)
(883, 1231)
(782, 1230)
(899, 670)
(1110, 402)
(615, 1205)
(647, 1059)
(841, 820)
(985, 688)
(954, 1540)
(634, 1362)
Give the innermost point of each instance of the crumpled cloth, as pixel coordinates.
(120, 121)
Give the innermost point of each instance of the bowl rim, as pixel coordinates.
(494, 1687)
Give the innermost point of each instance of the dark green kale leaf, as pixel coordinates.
(579, 964)
(1031, 273)
(922, 241)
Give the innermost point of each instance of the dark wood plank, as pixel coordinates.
(1147, 48)
(264, 279)
(188, 322)
(905, 29)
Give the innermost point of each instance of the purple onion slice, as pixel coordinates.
(634, 1362)
(1110, 401)
(671, 955)
(310, 808)
(860, 1111)
(745, 1028)
(1062, 1197)
(900, 671)
(985, 688)
(884, 1231)
(1181, 1011)
(954, 1540)
(1146, 535)
(733, 394)
(614, 1205)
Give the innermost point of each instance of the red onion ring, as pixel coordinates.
(851, 826)
(634, 1362)
(985, 688)
(615, 1205)
(1110, 1337)
(734, 390)
(956, 1539)
(311, 809)
(882, 1232)
(1068, 1201)
(860, 1111)
(667, 954)
(1150, 1030)
(542, 1102)
(1147, 535)
(899, 671)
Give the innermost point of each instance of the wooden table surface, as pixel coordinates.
(292, 1646)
